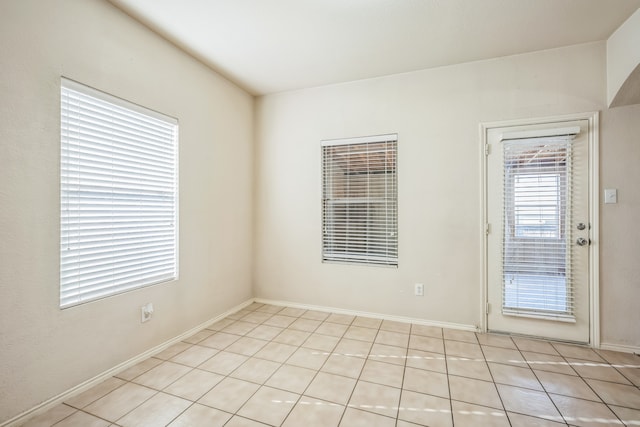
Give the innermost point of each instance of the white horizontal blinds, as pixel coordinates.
(360, 220)
(537, 206)
(118, 196)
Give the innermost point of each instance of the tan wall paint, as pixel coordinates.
(619, 230)
(436, 114)
(623, 58)
(43, 350)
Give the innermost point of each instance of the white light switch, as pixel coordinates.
(610, 195)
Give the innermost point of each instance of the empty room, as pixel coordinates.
(250, 213)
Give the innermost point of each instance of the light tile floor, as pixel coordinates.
(275, 366)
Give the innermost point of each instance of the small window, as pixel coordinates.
(118, 228)
(359, 200)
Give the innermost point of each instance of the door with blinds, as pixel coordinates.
(538, 230)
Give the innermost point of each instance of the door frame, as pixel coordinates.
(594, 212)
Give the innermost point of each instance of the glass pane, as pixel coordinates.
(359, 203)
(535, 271)
(537, 205)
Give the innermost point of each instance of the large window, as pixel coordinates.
(537, 193)
(118, 195)
(359, 200)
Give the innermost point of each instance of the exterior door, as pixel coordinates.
(538, 231)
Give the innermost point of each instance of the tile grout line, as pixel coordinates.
(539, 382)
(235, 413)
(587, 384)
(317, 372)
(194, 368)
(346, 406)
(226, 376)
(537, 379)
(446, 366)
(584, 379)
(284, 363)
(495, 385)
(194, 402)
(404, 373)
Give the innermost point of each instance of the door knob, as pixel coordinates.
(582, 241)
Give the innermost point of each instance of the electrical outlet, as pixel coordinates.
(419, 289)
(146, 312)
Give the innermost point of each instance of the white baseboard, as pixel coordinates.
(60, 398)
(621, 348)
(462, 327)
(402, 319)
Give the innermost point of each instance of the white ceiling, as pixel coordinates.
(268, 46)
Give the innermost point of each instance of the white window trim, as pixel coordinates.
(360, 257)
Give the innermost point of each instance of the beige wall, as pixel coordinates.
(436, 114)
(619, 229)
(623, 63)
(43, 350)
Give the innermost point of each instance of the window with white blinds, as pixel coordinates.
(359, 200)
(118, 196)
(536, 254)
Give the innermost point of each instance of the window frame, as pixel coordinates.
(129, 155)
(378, 244)
(528, 159)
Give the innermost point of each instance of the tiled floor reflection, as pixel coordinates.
(283, 366)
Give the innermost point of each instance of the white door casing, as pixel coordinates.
(539, 184)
